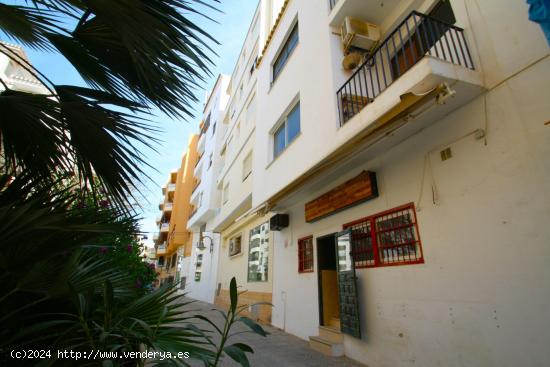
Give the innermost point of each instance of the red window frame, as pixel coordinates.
(305, 255)
(387, 238)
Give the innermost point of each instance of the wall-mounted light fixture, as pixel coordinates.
(201, 246)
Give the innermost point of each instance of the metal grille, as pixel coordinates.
(361, 236)
(387, 238)
(305, 255)
(417, 36)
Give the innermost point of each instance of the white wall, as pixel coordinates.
(204, 289)
(482, 296)
(313, 71)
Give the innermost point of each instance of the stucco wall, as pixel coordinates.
(482, 296)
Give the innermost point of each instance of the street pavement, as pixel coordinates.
(278, 349)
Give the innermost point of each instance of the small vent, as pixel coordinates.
(446, 154)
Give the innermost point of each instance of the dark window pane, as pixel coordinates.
(287, 49)
(293, 123)
(279, 141)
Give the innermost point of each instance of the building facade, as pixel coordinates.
(173, 241)
(406, 143)
(15, 75)
(206, 198)
(383, 180)
(236, 222)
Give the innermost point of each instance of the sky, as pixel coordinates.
(230, 30)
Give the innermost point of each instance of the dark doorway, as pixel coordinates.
(426, 36)
(329, 309)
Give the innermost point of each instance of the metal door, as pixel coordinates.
(347, 285)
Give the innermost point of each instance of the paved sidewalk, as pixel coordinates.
(278, 349)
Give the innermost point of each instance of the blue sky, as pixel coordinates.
(230, 31)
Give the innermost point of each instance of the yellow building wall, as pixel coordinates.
(178, 235)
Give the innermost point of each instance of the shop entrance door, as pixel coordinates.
(329, 308)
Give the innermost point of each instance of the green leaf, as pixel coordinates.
(233, 294)
(244, 347)
(254, 326)
(237, 354)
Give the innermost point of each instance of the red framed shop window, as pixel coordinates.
(305, 255)
(387, 238)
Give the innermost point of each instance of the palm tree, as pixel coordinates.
(132, 54)
(73, 145)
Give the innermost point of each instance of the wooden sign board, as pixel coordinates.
(352, 192)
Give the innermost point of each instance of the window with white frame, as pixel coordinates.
(286, 51)
(247, 166)
(287, 131)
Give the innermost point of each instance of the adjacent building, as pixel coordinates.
(173, 241)
(15, 74)
(236, 221)
(201, 275)
(379, 174)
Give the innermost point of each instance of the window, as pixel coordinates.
(286, 51)
(210, 160)
(226, 193)
(235, 245)
(213, 129)
(247, 166)
(198, 276)
(287, 132)
(258, 253)
(387, 238)
(305, 255)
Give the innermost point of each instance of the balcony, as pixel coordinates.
(164, 227)
(417, 38)
(171, 187)
(155, 236)
(158, 219)
(173, 176)
(161, 249)
(167, 207)
(201, 144)
(197, 172)
(193, 212)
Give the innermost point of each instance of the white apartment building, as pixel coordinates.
(236, 222)
(410, 156)
(14, 74)
(201, 269)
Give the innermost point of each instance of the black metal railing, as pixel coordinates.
(417, 36)
(332, 3)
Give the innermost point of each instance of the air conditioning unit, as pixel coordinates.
(278, 222)
(358, 33)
